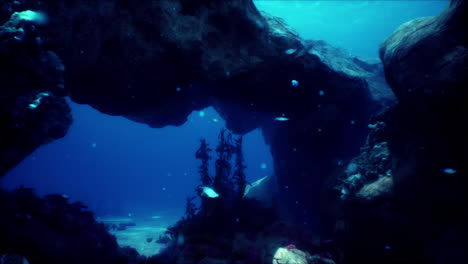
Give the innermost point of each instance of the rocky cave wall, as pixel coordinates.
(156, 61)
(404, 195)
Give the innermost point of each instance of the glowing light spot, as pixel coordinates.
(178, 89)
(93, 145)
(281, 118)
(164, 188)
(201, 114)
(290, 51)
(263, 166)
(294, 83)
(321, 93)
(352, 122)
(449, 171)
(215, 120)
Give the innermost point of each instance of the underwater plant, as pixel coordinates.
(239, 176)
(223, 183)
(203, 155)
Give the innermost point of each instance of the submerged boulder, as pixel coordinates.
(33, 110)
(416, 212)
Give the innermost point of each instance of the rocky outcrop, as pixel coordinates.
(156, 61)
(54, 230)
(33, 111)
(425, 58)
(404, 196)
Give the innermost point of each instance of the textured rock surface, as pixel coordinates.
(33, 111)
(425, 59)
(423, 218)
(156, 61)
(53, 230)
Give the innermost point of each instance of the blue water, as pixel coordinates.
(117, 166)
(358, 26)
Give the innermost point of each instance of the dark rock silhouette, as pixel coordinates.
(52, 230)
(403, 197)
(33, 111)
(156, 61)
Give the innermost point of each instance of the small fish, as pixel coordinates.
(208, 192)
(281, 118)
(449, 171)
(289, 51)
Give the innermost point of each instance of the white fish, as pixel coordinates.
(449, 171)
(209, 192)
(281, 118)
(289, 51)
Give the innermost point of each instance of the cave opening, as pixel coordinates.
(127, 171)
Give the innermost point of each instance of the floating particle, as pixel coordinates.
(263, 166)
(352, 122)
(387, 247)
(178, 89)
(163, 188)
(319, 129)
(215, 120)
(449, 171)
(281, 118)
(93, 145)
(321, 93)
(201, 114)
(294, 83)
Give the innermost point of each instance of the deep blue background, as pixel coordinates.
(119, 167)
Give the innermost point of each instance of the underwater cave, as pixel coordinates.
(243, 131)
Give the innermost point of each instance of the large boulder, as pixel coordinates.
(403, 198)
(33, 110)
